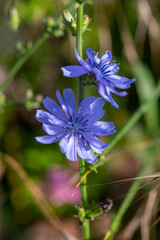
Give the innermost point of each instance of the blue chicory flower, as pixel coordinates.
(75, 128)
(105, 72)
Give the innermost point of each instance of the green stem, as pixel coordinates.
(31, 51)
(79, 48)
(84, 200)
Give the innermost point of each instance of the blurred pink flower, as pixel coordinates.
(59, 186)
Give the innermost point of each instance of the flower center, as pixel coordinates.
(73, 127)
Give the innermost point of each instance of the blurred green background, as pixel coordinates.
(131, 30)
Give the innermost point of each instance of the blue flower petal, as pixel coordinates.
(106, 94)
(69, 99)
(84, 151)
(95, 143)
(74, 71)
(91, 110)
(106, 57)
(101, 128)
(48, 118)
(62, 103)
(53, 130)
(54, 108)
(93, 60)
(119, 80)
(124, 86)
(98, 73)
(111, 69)
(121, 94)
(110, 98)
(82, 106)
(82, 62)
(102, 91)
(48, 139)
(68, 147)
(89, 53)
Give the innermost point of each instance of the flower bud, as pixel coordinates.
(69, 21)
(49, 23)
(86, 21)
(67, 17)
(14, 19)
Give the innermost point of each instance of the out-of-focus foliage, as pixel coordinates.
(131, 30)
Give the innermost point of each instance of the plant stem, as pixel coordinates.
(79, 48)
(84, 200)
(31, 51)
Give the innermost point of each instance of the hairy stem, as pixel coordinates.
(84, 200)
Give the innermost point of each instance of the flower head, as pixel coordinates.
(75, 128)
(105, 72)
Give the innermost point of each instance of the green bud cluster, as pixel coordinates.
(32, 101)
(52, 28)
(22, 48)
(14, 19)
(89, 213)
(71, 23)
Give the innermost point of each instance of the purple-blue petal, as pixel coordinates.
(53, 130)
(70, 101)
(82, 62)
(124, 86)
(106, 57)
(91, 110)
(54, 108)
(95, 143)
(74, 71)
(48, 139)
(111, 69)
(119, 79)
(48, 118)
(84, 151)
(92, 59)
(121, 94)
(106, 94)
(101, 128)
(89, 54)
(68, 147)
(98, 73)
(82, 106)
(102, 91)
(62, 103)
